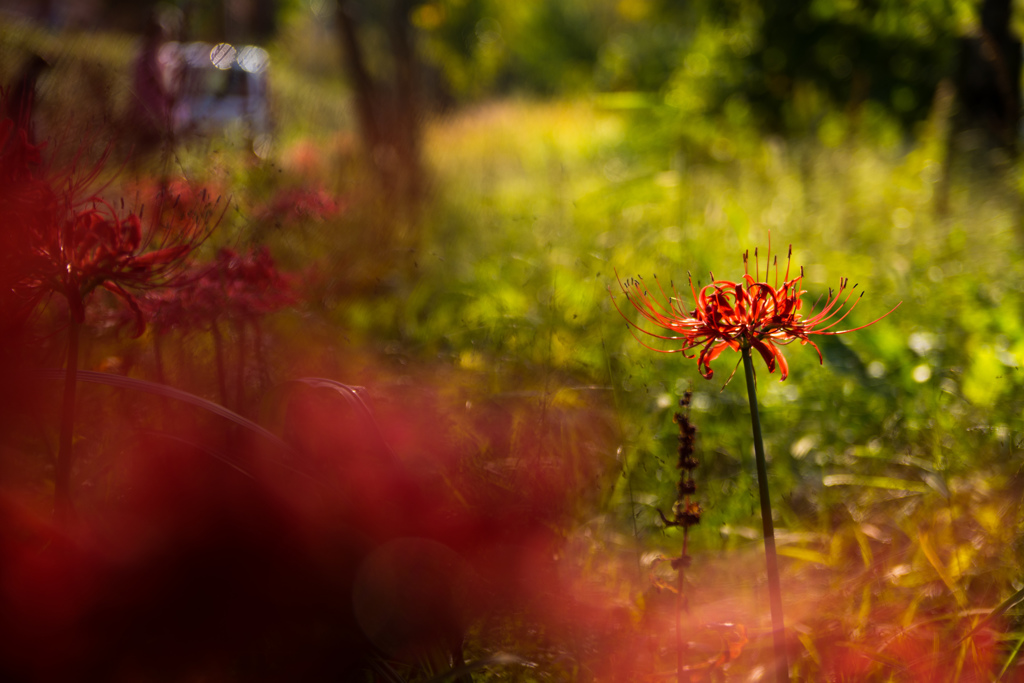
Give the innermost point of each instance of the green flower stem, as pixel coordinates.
(682, 605)
(774, 590)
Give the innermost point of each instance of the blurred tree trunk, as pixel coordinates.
(388, 113)
(249, 21)
(263, 25)
(988, 83)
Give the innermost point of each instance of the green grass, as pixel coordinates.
(914, 420)
(528, 233)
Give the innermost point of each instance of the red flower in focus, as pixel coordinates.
(736, 315)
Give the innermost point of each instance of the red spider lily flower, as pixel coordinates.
(26, 204)
(239, 287)
(96, 248)
(249, 284)
(62, 238)
(58, 236)
(175, 200)
(749, 314)
(295, 205)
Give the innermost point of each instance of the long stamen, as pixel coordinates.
(825, 314)
(840, 319)
(854, 329)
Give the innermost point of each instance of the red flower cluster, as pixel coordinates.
(294, 205)
(750, 314)
(26, 205)
(176, 200)
(60, 237)
(245, 285)
(96, 248)
(236, 287)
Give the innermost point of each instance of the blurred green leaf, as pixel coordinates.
(875, 482)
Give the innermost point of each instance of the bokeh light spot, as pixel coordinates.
(253, 59)
(223, 55)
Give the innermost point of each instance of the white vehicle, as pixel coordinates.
(216, 87)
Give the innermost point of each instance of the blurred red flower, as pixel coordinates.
(26, 204)
(93, 248)
(62, 238)
(174, 200)
(736, 315)
(297, 204)
(240, 287)
(245, 285)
